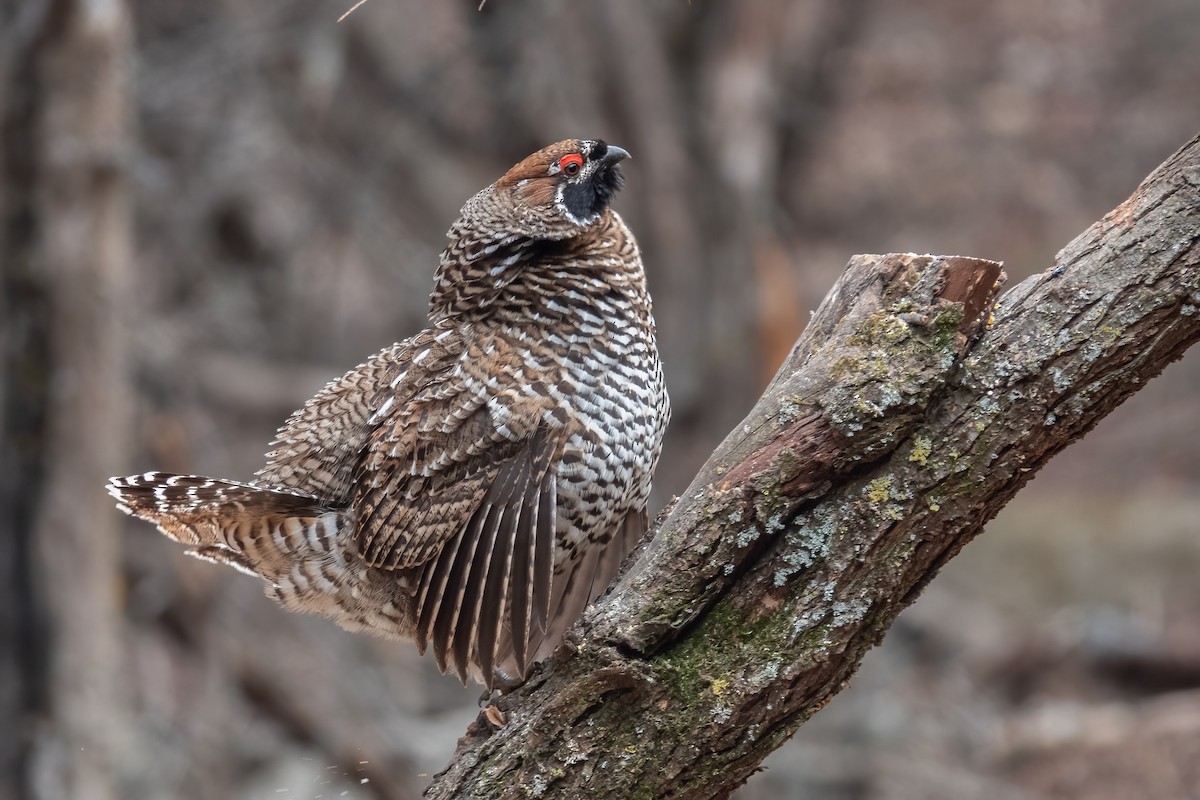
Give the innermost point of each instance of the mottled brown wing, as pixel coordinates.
(428, 465)
(318, 450)
(488, 590)
(418, 489)
(458, 486)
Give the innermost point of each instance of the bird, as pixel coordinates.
(473, 487)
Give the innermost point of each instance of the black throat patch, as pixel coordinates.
(587, 200)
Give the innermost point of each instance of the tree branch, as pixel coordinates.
(900, 424)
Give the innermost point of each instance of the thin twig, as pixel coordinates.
(353, 8)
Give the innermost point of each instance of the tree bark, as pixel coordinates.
(909, 412)
(66, 275)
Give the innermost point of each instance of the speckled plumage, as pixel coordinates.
(473, 487)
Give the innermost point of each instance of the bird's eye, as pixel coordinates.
(570, 165)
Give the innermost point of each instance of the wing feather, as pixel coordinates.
(476, 593)
(465, 630)
(435, 576)
(318, 449)
(495, 603)
(521, 588)
(543, 552)
(447, 472)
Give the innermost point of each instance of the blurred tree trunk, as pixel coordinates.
(903, 420)
(66, 256)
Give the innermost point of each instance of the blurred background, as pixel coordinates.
(211, 209)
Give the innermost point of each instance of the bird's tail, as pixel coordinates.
(265, 532)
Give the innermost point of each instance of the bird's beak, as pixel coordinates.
(614, 155)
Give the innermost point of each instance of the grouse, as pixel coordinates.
(474, 487)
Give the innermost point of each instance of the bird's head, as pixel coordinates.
(562, 188)
(540, 207)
